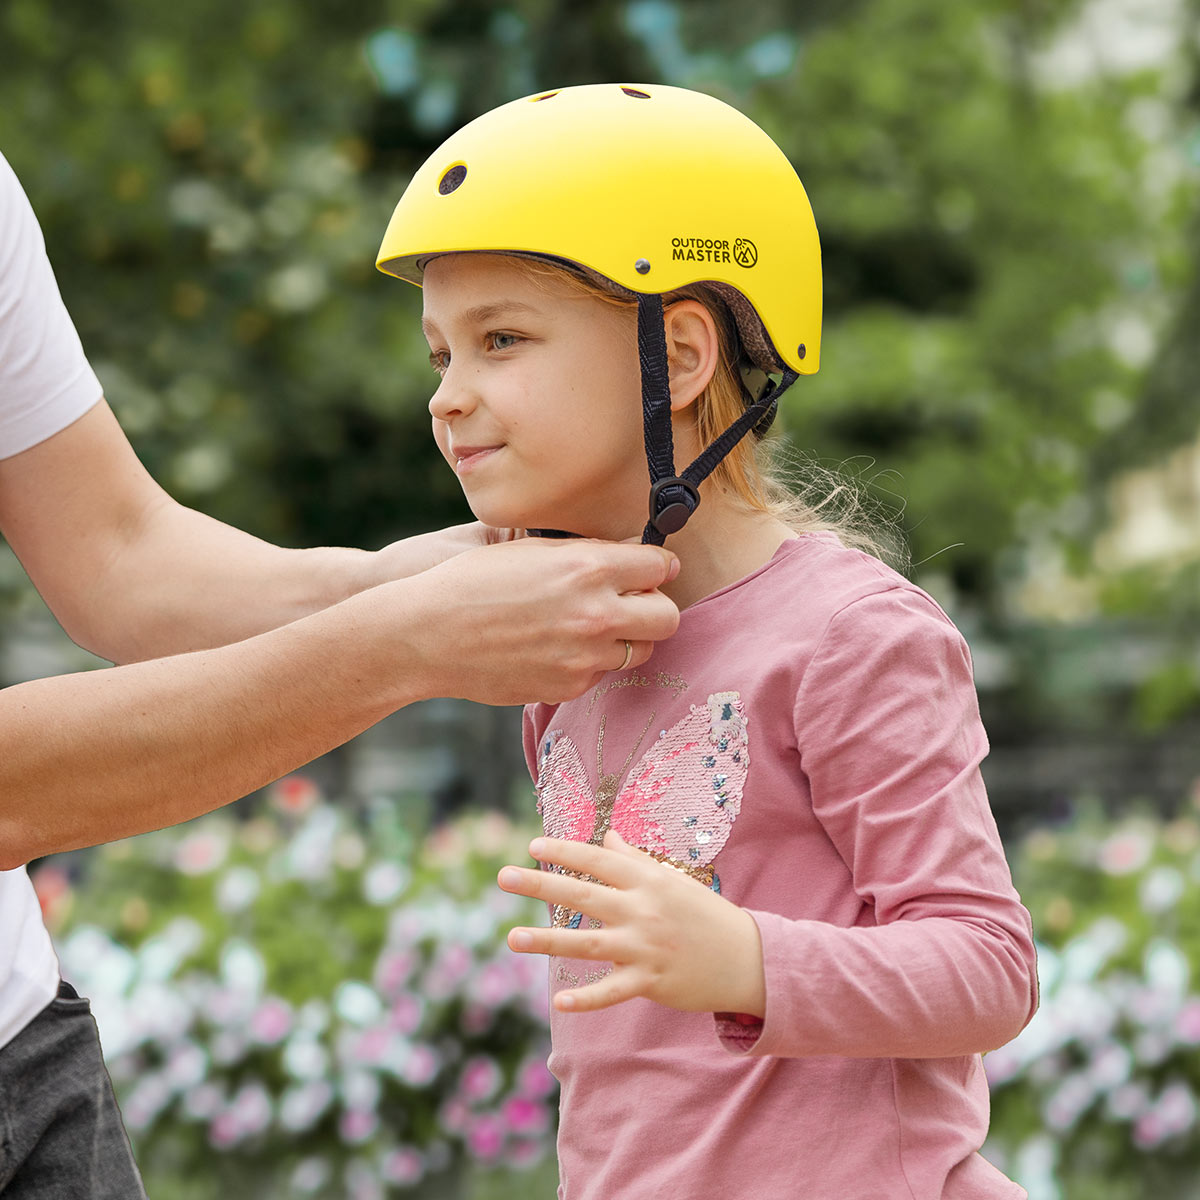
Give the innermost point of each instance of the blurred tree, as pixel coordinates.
(1003, 194)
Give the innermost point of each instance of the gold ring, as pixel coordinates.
(628, 655)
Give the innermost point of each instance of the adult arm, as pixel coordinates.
(105, 754)
(131, 574)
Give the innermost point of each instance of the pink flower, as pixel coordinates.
(447, 972)
(406, 1014)
(454, 1116)
(475, 1019)
(525, 1154)
(372, 1046)
(534, 1079)
(421, 1067)
(53, 889)
(1125, 851)
(271, 1021)
(225, 1131)
(403, 1167)
(493, 984)
(523, 1115)
(252, 1109)
(294, 795)
(479, 1080)
(392, 972)
(485, 1138)
(1187, 1023)
(357, 1125)
(199, 853)
(1149, 1131)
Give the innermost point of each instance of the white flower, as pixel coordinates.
(301, 1106)
(203, 1102)
(238, 889)
(305, 1058)
(360, 1090)
(357, 1003)
(1161, 889)
(141, 1106)
(1167, 969)
(310, 1176)
(243, 968)
(186, 1066)
(383, 882)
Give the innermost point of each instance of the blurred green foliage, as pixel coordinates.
(1006, 201)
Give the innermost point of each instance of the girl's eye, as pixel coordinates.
(439, 360)
(503, 341)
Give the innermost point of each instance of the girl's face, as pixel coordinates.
(539, 407)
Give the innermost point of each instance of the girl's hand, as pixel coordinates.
(669, 938)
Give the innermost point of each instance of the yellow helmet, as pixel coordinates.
(650, 186)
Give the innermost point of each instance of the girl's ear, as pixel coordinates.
(692, 350)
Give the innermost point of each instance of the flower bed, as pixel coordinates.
(300, 1005)
(1097, 1097)
(288, 1008)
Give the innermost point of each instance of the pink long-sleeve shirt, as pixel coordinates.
(808, 743)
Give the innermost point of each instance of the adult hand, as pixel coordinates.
(669, 938)
(420, 552)
(541, 620)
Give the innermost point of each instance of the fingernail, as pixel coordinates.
(520, 939)
(673, 569)
(565, 1001)
(510, 877)
(536, 847)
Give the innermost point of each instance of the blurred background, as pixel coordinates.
(308, 995)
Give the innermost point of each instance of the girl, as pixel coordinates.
(782, 927)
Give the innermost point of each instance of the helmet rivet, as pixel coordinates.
(642, 266)
(800, 351)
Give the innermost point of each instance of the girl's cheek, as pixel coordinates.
(441, 435)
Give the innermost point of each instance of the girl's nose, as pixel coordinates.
(451, 399)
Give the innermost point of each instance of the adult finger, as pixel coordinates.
(633, 568)
(642, 617)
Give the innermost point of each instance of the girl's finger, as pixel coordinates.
(615, 864)
(614, 988)
(580, 895)
(597, 945)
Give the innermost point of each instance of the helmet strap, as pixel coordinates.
(673, 498)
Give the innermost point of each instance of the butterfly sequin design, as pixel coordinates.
(678, 802)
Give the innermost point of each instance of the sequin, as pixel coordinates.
(661, 806)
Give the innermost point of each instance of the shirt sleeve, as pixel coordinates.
(45, 380)
(941, 962)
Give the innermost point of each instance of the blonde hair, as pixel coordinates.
(759, 472)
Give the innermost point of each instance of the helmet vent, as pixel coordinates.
(635, 94)
(545, 96)
(452, 179)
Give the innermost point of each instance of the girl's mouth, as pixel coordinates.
(467, 458)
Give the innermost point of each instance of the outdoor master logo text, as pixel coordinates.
(717, 250)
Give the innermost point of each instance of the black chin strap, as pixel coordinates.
(673, 498)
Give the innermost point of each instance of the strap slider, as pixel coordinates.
(672, 501)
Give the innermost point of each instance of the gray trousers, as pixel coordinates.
(61, 1136)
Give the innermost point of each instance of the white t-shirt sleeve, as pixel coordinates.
(45, 380)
